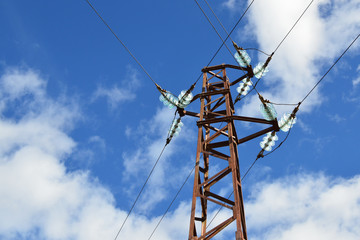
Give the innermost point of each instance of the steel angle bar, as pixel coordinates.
(255, 135)
(216, 177)
(217, 229)
(217, 154)
(216, 75)
(222, 66)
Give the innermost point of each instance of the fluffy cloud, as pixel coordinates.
(230, 4)
(39, 197)
(308, 50)
(138, 162)
(317, 206)
(116, 95)
(16, 83)
(356, 81)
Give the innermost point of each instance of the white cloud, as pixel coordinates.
(98, 141)
(85, 155)
(17, 83)
(356, 81)
(117, 95)
(138, 162)
(318, 206)
(309, 49)
(336, 118)
(114, 95)
(230, 4)
(305, 127)
(39, 197)
(318, 143)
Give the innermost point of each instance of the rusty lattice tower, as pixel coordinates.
(217, 146)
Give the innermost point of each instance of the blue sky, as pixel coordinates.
(81, 125)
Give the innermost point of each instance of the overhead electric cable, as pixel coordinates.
(218, 19)
(245, 174)
(242, 179)
(222, 44)
(315, 86)
(222, 25)
(158, 87)
(331, 68)
(157, 225)
(288, 133)
(281, 42)
(293, 26)
(208, 19)
(122, 43)
(255, 49)
(284, 104)
(137, 198)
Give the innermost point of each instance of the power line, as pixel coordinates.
(255, 49)
(330, 68)
(157, 225)
(208, 19)
(137, 198)
(141, 66)
(222, 25)
(222, 44)
(293, 26)
(242, 179)
(246, 173)
(121, 42)
(207, 3)
(307, 95)
(144, 70)
(284, 104)
(316, 85)
(217, 19)
(281, 42)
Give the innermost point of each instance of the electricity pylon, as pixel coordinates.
(217, 146)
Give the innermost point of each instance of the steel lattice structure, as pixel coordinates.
(218, 145)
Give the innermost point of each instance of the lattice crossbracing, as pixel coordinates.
(217, 146)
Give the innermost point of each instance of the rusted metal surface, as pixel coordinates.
(216, 109)
(222, 66)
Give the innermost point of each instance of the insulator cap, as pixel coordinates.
(242, 58)
(260, 70)
(268, 111)
(286, 122)
(268, 141)
(168, 99)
